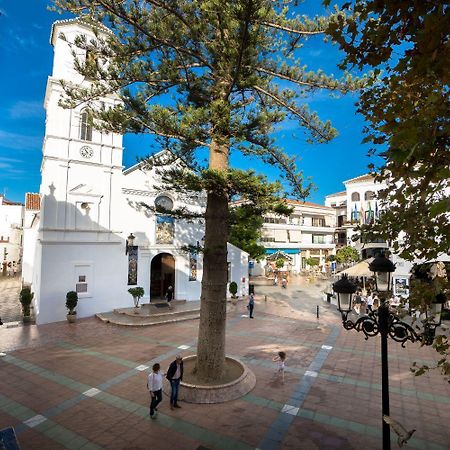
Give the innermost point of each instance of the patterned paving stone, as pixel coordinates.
(331, 397)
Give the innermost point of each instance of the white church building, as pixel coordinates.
(90, 206)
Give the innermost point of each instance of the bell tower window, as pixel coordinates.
(86, 126)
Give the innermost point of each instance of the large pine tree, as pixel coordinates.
(212, 75)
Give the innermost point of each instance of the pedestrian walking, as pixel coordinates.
(363, 306)
(280, 359)
(358, 301)
(169, 296)
(251, 305)
(370, 301)
(284, 282)
(154, 385)
(175, 375)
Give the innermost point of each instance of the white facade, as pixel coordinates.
(89, 206)
(307, 233)
(11, 220)
(359, 204)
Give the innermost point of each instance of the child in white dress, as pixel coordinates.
(280, 359)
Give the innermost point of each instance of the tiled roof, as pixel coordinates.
(32, 201)
(9, 202)
(337, 194)
(366, 177)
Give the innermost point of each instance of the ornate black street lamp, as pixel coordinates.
(386, 323)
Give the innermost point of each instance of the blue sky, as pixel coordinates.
(26, 61)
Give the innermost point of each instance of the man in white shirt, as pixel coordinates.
(154, 385)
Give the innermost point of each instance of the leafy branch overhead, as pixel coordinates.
(406, 107)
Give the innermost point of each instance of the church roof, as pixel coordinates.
(337, 194)
(366, 177)
(32, 201)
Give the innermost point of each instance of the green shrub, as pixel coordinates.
(233, 289)
(26, 297)
(136, 293)
(71, 301)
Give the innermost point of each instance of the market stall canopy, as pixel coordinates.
(360, 269)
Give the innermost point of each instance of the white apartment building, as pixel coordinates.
(11, 222)
(358, 204)
(307, 233)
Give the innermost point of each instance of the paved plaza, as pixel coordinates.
(83, 385)
(10, 308)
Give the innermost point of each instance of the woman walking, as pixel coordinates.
(154, 385)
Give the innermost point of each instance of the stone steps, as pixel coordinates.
(171, 316)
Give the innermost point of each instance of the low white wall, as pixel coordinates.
(105, 268)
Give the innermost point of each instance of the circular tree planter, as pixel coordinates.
(219, 393)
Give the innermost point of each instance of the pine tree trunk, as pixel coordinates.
(211, 334)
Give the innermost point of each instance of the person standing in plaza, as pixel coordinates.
(251, 305)
(169, 296)
(154, 385)
(357, 303)
(175, 375)
(370, 301)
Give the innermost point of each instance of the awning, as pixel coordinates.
(360, 269)
(287, 251)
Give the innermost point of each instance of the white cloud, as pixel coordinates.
(26, 109)
(18, 141)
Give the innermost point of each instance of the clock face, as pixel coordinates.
(86, 152)
(164, 202)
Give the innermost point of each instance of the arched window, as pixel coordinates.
(355, 197)
(86, 126)
(369, 195)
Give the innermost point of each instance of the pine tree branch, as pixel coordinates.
(151, 130)
(283, 76)
(242, 45)
(128, 19)
(295, 111)
(290, 30)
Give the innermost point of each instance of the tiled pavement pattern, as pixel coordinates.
(83, 386)
(10, 309)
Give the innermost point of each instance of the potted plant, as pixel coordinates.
(26, 297)
(71, 304)
(233, 291)
(136, 292)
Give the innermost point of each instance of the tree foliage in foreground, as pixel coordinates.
(347, 255)
(407, 109)
(208, 78)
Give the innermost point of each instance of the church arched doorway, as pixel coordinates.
(162, 275)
